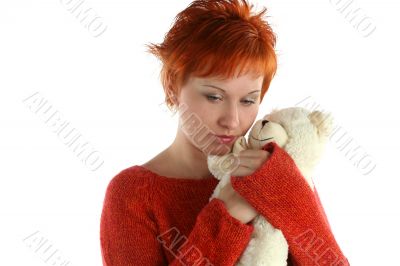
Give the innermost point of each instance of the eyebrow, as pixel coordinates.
(212, 86)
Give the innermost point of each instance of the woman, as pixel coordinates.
(218, 62)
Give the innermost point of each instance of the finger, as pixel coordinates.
(245, 167)
(248, 162)
(253, 153)
(242, 171)
(257, 158)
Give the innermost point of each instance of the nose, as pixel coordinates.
(230, 117)
(264, 122)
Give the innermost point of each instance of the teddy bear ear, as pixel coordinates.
(274, 110)
(271, 113)
(322, 121)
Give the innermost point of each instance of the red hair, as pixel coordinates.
(215, 38)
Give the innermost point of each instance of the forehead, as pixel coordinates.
(246, 81)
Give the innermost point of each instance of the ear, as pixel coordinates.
(175, 100)
(322, 121)
(172, 96)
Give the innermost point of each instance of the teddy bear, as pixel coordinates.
(303, 135)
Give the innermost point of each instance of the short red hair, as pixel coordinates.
(221, 34)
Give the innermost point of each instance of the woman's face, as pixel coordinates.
(209, 107)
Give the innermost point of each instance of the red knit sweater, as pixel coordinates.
(148, 219)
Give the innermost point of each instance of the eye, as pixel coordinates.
(213, 98)
(249, 102)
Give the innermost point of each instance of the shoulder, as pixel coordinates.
(130, 183)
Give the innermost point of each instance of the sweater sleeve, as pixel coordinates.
(130, 236)
(216, 239)
(280, 193)
(127, 232)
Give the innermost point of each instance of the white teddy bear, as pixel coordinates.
(302, 134)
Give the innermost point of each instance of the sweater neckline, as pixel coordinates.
(210, 178)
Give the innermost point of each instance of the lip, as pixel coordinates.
(224, 139)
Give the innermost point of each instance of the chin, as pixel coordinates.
(217, 149)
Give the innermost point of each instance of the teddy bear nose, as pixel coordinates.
(264, 122)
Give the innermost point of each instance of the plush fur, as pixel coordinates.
(302, 134)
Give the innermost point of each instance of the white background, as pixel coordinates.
(108, 88)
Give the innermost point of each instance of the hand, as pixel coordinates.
(236, 205)
(248, 162)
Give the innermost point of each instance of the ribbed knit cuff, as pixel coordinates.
(217, 238)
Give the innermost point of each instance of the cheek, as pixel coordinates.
(202, 109)
(195, 110)
(248, 117)
(199, 110)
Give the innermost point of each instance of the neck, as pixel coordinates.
(189, 159)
